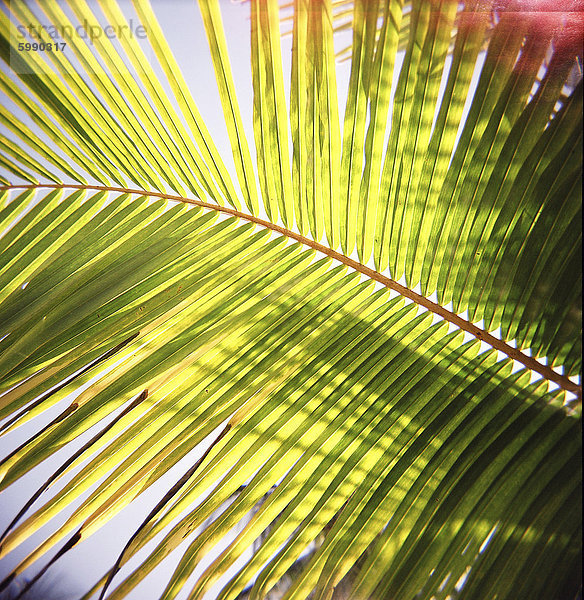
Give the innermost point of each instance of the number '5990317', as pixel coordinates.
(41, 46)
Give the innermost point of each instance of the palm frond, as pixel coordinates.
(318, 403)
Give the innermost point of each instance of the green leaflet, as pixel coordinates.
(270, 114)
(216, 36)
(365, 17)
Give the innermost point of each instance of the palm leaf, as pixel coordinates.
(407, 431)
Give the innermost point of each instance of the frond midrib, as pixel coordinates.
(481, 334)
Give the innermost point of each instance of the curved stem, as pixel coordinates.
(481, 334)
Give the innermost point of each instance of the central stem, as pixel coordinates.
(481, 334)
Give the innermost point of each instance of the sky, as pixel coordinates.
(81, 567)
(181, 21)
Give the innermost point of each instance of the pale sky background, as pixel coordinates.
(73, 574)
